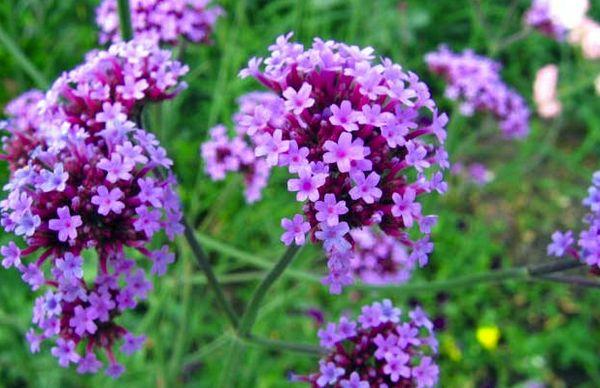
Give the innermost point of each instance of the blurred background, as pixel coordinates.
(491, 335)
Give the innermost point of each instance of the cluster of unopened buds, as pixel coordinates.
(87, 194)
(165, 21)
(381, 349)
(475, 81)
(588, 242)
(362, 140)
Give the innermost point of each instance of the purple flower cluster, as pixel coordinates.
(381, 259)
(23, 120)
(475, 81)
(589, 239)
(378, 350)
(223, 154)
(85, 196)
(476, 173)
(363, 141)
(161, 20)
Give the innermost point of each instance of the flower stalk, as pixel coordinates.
(125, 20)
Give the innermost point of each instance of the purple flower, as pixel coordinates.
(329, 374)
(11, 254)
(344, 151)
(426, 373)
(132, 343)
(83, 320)
(163, 21)
(334, 237)
(115, 370)
(561, 242)
(66, 225)
(295, 230)
(344, 116)
(108, 201)
(148, 220)
(349, 129)
(272, 146)
(330, 209)
(161, 259)
(475, 81)
(65, 352)
(101, 305)
(328, 336)
(366, 188)
(55, 180)
(32, 276)
(89, 364)
(406, 207)
(71, 266)
(116, 168)
(87, 186)
(354, 382)
(300, 100)
(374, 355)
(396, 366)
(370, 316)
(307, 185)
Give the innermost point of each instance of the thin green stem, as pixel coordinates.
(572, 280)
(22, 60)
(125, 20)
(211, 279)
(249, 317)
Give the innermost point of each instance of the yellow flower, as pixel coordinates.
(488, 336)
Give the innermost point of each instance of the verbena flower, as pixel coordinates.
(355, 134)
(555, 18)
(382, 348)
(223, 153)
(381, 259)
(22, 124)
(85, 199)
(475, 81)
(476, 173)
(588, 241)
(161, 20)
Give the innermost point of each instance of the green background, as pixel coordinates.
(549, 332)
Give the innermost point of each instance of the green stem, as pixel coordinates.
(211, 279)
(125, 20)
(22, 60)
(249, 317)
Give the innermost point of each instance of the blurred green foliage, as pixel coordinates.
(548, 332)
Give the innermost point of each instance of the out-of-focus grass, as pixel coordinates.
(549, 332)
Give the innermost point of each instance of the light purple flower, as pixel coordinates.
(295, 230)
(307, 185)
(298, 101)
(366, 188)
(344, 116)
(66, 225)
(344, 151)
(65, 352)
(330, 209)
(108, 201)
(406, 207)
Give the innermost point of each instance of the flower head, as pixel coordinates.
(160, 20)
(357, 133)
(378, 352)
(475, 81)
(85, 186)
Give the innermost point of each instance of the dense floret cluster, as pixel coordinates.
(363, 141)
(381, 259)
(85, 194)
(223, 154)
(161, 20)
(588, 243)
(380, 349)
(475, 81)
